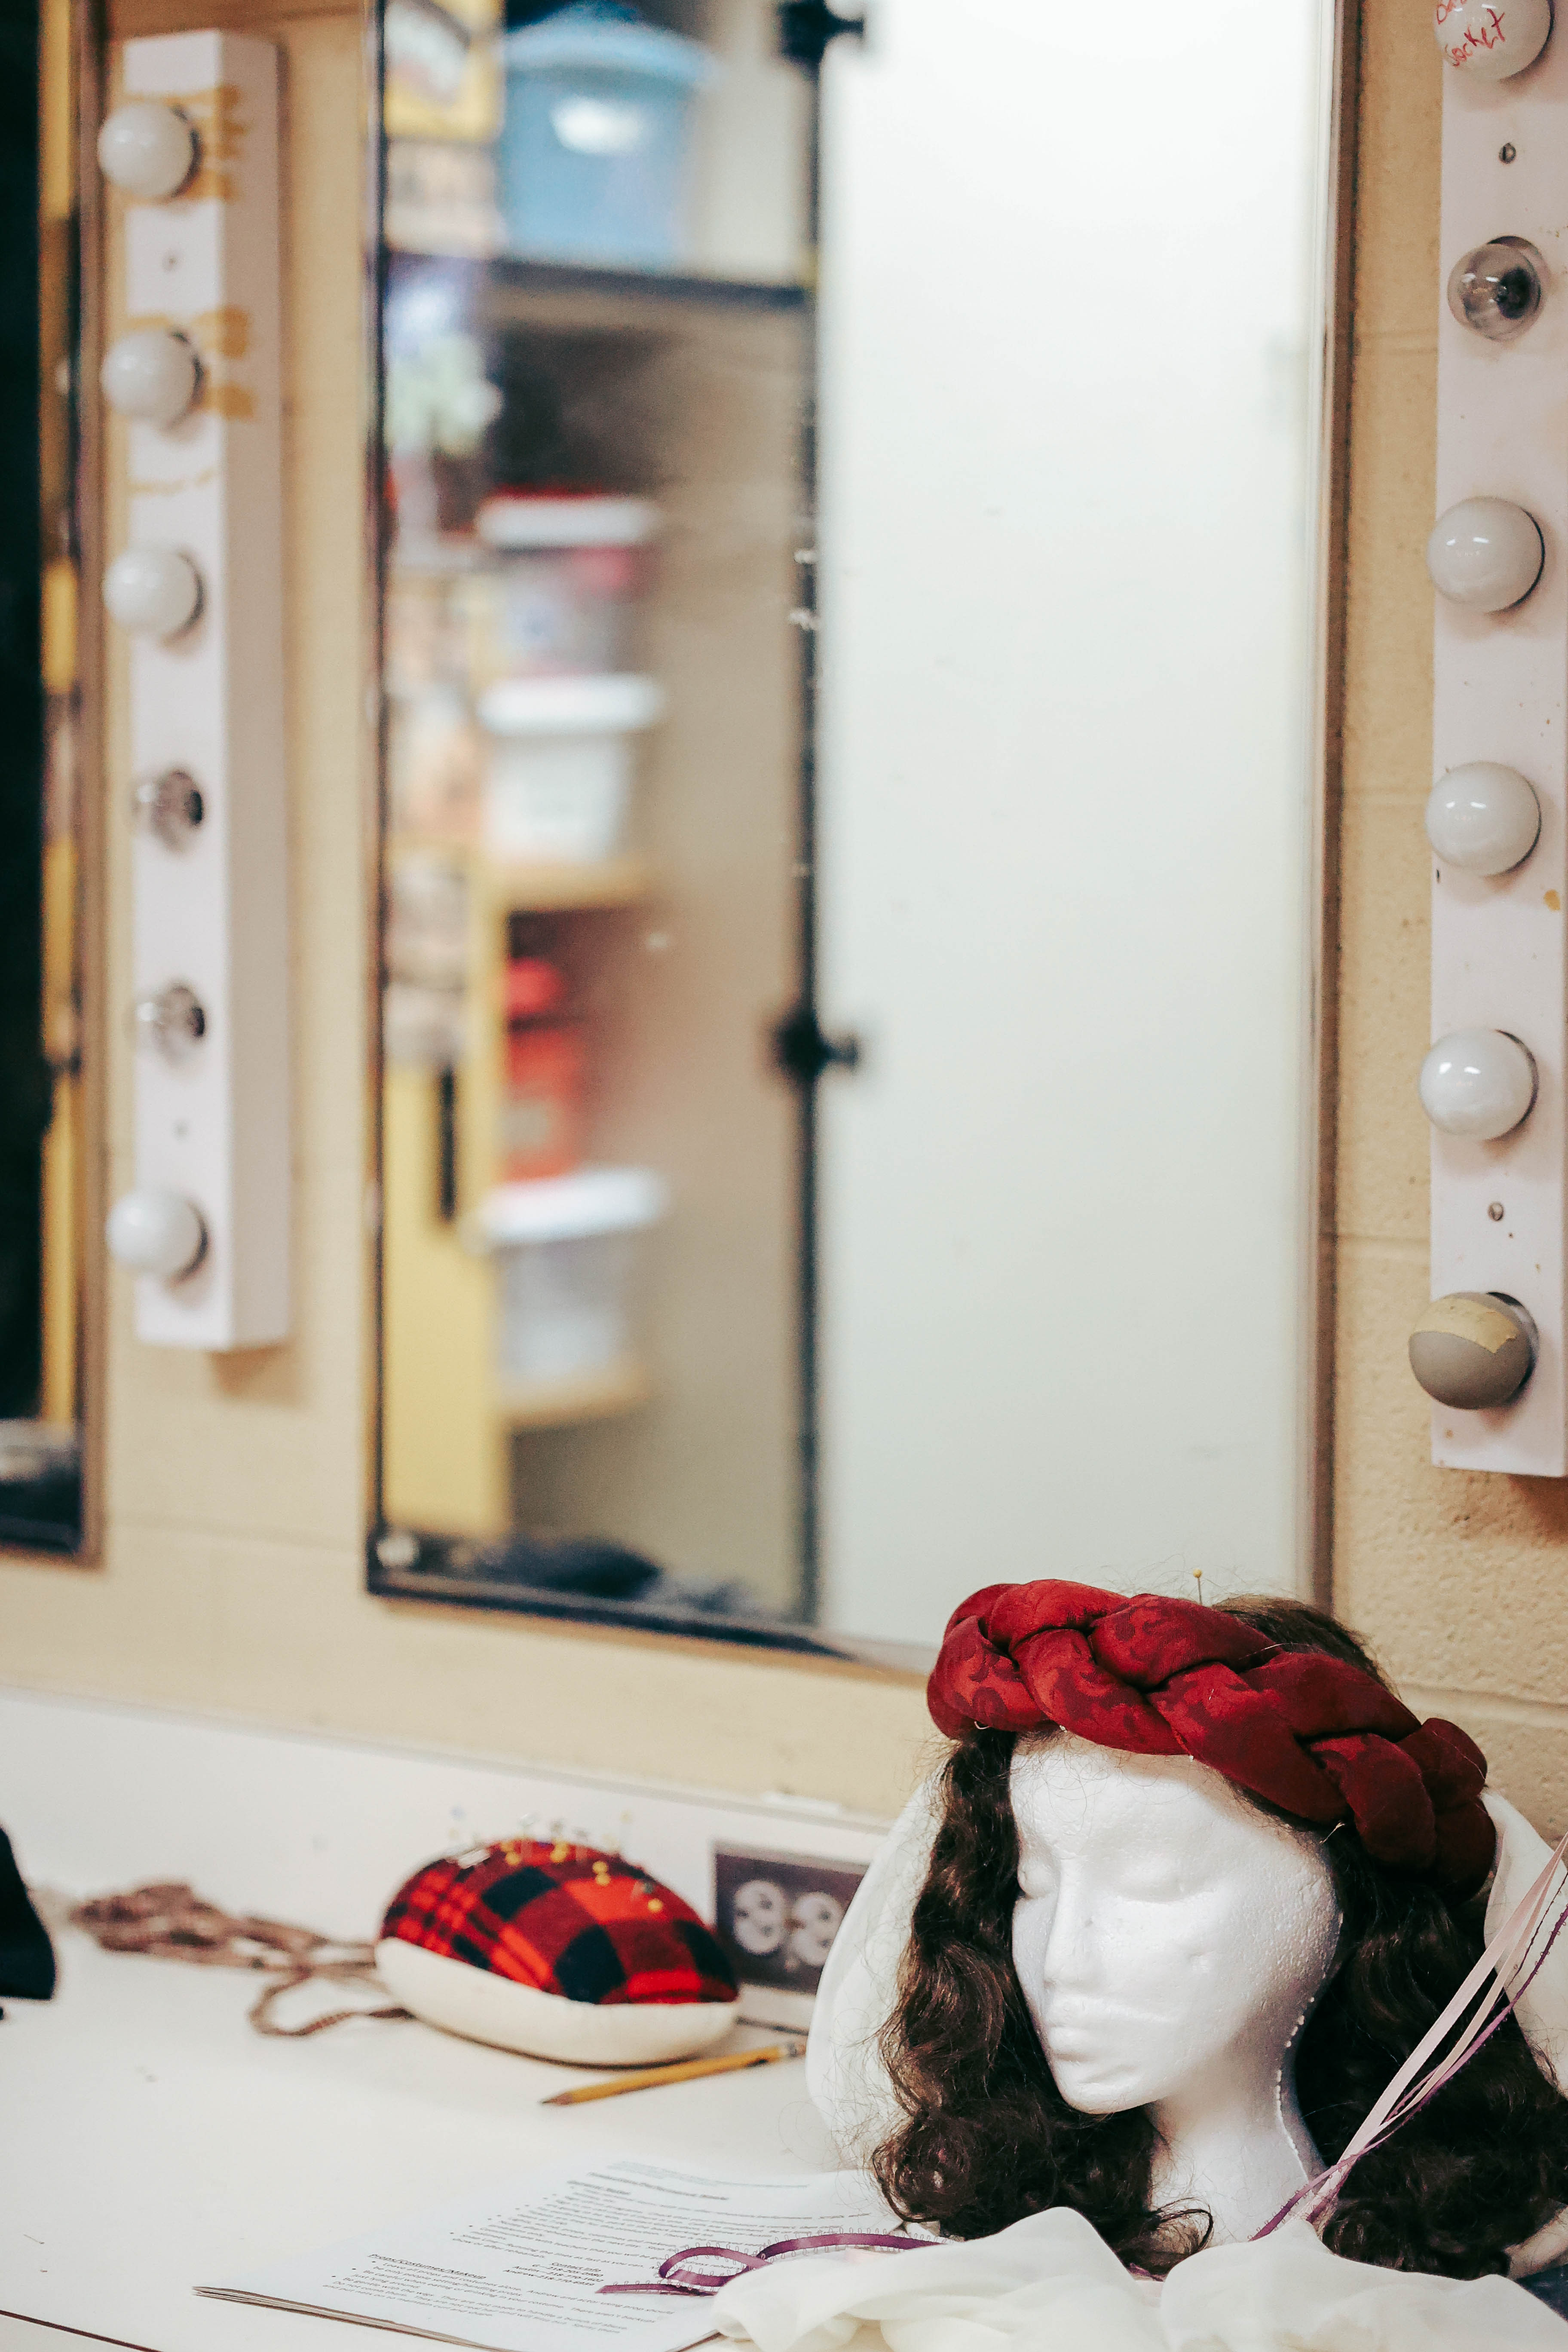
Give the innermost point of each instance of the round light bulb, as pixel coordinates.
(1489, 39)
(1484, 818)
(1485, 554)
(155, 591)
(150, 375)
(1474, 1349)
(146, 149)
(1479, 1083)
(155, 1231)
(1498, 289)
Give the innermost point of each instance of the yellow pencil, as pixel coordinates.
(646, 2078)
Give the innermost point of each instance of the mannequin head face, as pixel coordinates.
(1169, 1938)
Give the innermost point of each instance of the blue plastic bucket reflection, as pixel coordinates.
(595, 156)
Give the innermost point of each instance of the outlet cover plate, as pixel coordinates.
(777, 1915)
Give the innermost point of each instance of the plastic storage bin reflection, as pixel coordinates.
(594, 155)
(559, 709)
(567, 1257)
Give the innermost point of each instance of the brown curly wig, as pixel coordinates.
(987, 2137)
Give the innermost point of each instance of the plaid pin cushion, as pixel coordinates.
(559, 1951)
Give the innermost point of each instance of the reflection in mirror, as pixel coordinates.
(41, 1151)
(596, 343)
(1066, 627)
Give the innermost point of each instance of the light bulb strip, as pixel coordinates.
(1499, 942)
(206, 715)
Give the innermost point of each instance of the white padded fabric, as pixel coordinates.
(484, 2007)
(1050, 2284)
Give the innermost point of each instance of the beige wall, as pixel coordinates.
(1455, 1577)
(232, 1574)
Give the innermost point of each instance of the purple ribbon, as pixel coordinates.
(1500, 1980)
(676, 2275)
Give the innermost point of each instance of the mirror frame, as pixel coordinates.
(390, 1577)
(80, 254)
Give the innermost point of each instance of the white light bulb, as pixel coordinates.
(146, 149)
(1479, 1083)
(150, 375)
(1485, 554)
(1489, 39)
(155, 1232)
(155, 591)
(1484, 818)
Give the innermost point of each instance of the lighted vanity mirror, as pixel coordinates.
(848, 659)
(44, 1157)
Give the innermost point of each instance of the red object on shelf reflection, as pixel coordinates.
(542, 1109)
(533, 987)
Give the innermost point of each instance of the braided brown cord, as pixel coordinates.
(1312, 1734)
(169, 1921)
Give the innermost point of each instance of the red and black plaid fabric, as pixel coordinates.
(566, 1920)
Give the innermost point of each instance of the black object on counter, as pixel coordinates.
(26, 1955)
(1550, 2287)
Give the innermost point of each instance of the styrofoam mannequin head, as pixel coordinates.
(1171, 1941)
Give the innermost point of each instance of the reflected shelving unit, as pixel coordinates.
(596, 519)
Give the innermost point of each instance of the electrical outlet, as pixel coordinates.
(777, 1915)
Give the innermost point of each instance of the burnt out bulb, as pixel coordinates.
(169, 807)
(1474, 1349)
(173, 1023)
(1498, 289)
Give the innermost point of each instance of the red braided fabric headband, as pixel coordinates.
(1308, 1733)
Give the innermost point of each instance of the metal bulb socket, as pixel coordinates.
(168, 806)
(173, 1023)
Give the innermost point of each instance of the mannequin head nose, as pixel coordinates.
(1070, 1950)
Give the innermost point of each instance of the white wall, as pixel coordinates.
(326, 1830)
(1068, 308)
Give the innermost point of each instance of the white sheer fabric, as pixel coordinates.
(1051, 2285)
(847, 2080)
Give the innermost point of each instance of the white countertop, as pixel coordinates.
(153, 2142)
